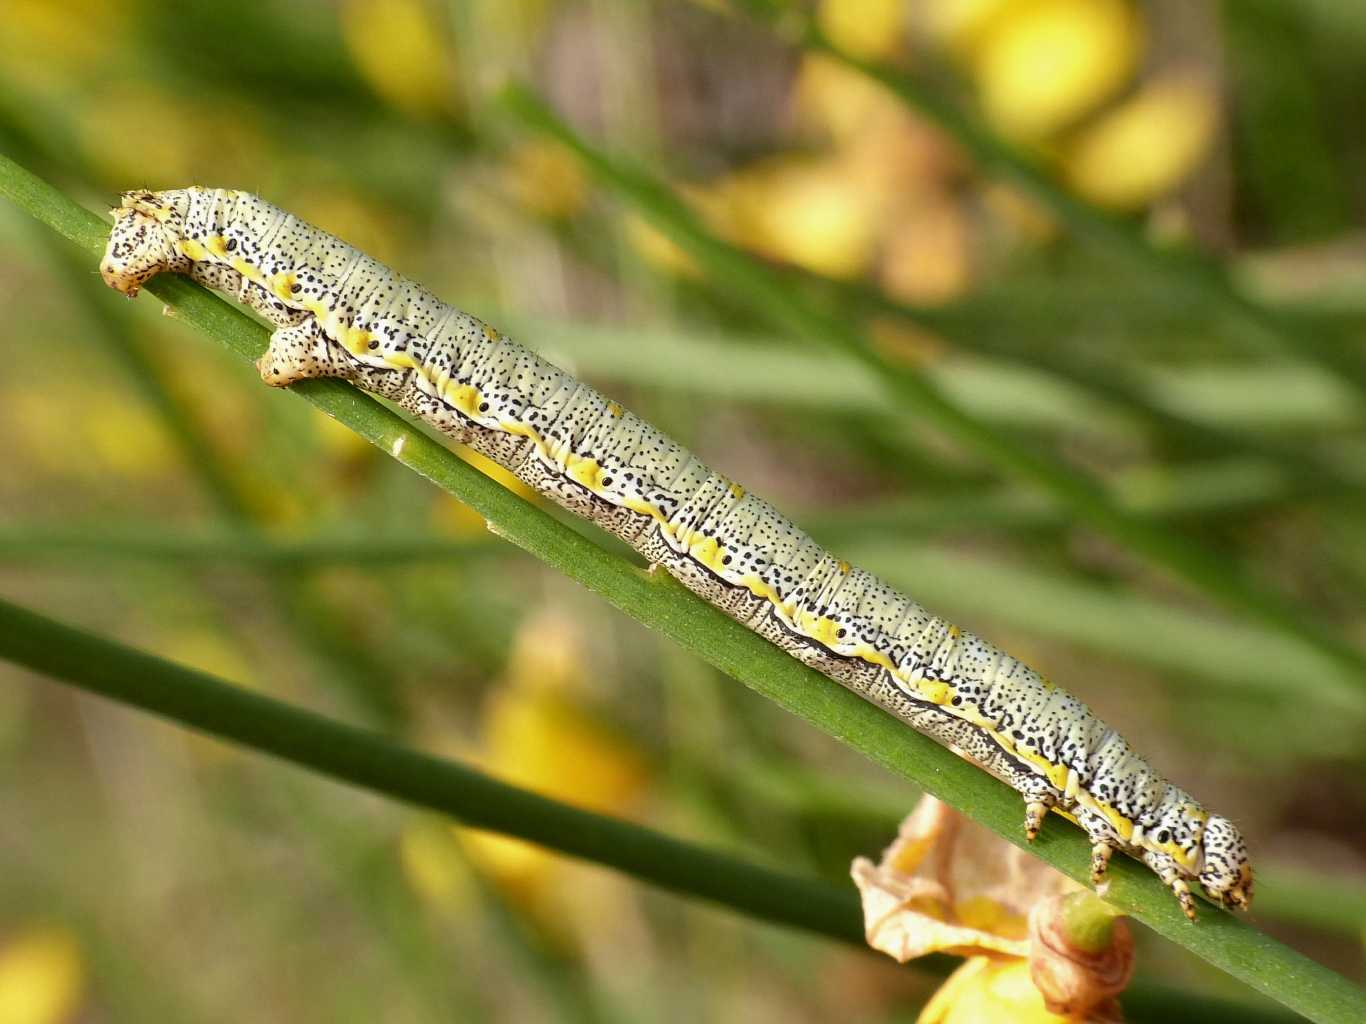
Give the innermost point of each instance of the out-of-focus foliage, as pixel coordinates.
(176, 883)
(1146, 145)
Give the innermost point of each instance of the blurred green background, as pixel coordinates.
(153, 491)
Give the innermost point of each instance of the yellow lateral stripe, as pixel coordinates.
(191, 249)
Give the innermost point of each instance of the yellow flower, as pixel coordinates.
(1146, 146)
(1038, 945)
(129, 439)
(399, 47)
(547, 179)
(987, 991)
(926, 255)
(535, 734)
(960, 25)
(1045, 63)
(841, 102)
(871, 29)
(41, 977)
(802, 211)
(949, 885)
(90, 430)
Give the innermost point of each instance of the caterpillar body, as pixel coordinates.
(339, 313)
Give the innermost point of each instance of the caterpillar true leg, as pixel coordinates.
(1035, 812)
(1172, 878)
(1101, 852)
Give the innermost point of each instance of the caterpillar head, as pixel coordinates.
(1178, 833)
(143, 241)
(1227, 872)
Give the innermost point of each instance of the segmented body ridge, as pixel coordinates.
(340, 313)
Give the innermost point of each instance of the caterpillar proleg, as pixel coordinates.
(339, 313)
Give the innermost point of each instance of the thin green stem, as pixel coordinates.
(659, 602)
(373, 762)
(789, 309)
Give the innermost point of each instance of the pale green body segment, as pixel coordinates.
(339, 313)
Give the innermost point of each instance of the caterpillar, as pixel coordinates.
(339, 313)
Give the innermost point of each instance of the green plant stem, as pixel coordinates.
(373, 762)
(659, 602)
(789, 309)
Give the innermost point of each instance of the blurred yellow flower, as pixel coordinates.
(989, 991)
(41, 433)
(547, 179)
(128, 438)
(802, 211)
(870, 29)
(841, 102)
(959, 25)
(544, 740)
(91, 432)
(927, 253)
(1045, 63)
(1146, 146)
(535, 734)
(400, 48)
(41, 977)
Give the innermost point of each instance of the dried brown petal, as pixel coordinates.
(1075, 977)
(949, 885)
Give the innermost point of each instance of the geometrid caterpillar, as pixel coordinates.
(339, 313)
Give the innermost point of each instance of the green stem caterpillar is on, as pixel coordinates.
(339, 313)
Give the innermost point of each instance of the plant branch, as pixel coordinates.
(373, 762)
